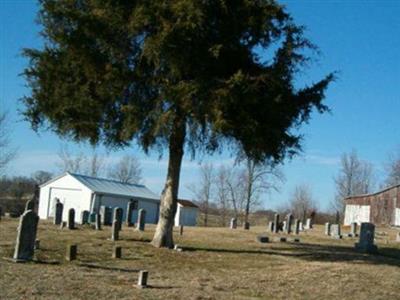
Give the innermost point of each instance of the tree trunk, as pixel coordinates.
(163, 236)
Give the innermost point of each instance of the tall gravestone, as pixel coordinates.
(246, 225)
(141, 219)
(353, 229)
(308, 224)
(26, 236)
(284, 225)
(336, 231)
(276, 223)
(58, 213)
(327, 228)
(289, 223)
(271, 226)
(301, 226)
(129, 213)
(366, 242)
(117, 216)
(115, 231)
(85, 217)
(71, 219)
(233, 224)
(106, 215)
(296, 226)
(97, 222)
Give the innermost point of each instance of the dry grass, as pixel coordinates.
(217, 263)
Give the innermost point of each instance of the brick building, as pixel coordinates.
(382, 207)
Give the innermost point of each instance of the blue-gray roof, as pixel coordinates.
(107, 186)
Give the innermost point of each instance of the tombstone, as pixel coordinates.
(26, 236)
(312, 217)
(289, 223)
(366, 242)
(246, 225)
(337, 218)
(117, 216)
(129, 213)
(233, 224)
(181, 230)
(335, 231)
(92, 218)
(353, 229)
(58, 213)
(296, 226)
(276, 223)
(142, 280)
(115, 231)
(97, 222)
(284, 226)
(271, 226)
(63, 225)
(301, 226)
(71, 219)
(308, 224)
(141, 219)
(117, 252)
(296, 240)
(327, 228)
(30, 205)
(85, 217)
(262, 238)
(106, 215)
(37, 245)
(72, 251)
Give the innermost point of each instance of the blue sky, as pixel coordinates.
(359, 39)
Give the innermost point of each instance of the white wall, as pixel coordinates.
(397, 217)
(186, 216)
(356, 213)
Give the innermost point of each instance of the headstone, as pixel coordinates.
(246, 225)
(129, 213)
(284, 226)
(37, 245)
(335, 231)
(115, 231)
(271, 226)
(30, 205)
(92, 218)
(63, 225)
(58, 213)
(312, 217)
(301, 226)
(327, 228)
(296, 226)
(233, 224)
(71, 219)
(289, 223)
(26, 236)
(353, 229)
(117, 252)
(142, 280)
(337, 219)
(141, 219)
(308, 224)
(106, 215)
(117, 216)
(366, 242)
(181, 230)
(296, 240)
(72, 251)
(262, 239)
(97, 222)
(85, 217)
(276, 223)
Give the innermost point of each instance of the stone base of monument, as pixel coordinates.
(366, 248)
(262, 239)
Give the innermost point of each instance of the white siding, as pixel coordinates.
(397, 217)
(186, 216)
(356, 213)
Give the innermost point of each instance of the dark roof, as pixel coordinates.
(186, 203)
(376, 193)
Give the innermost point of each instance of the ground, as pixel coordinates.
(217, 263)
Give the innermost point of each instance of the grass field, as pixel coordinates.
(217, 263)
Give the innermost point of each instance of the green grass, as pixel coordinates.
(217, 263)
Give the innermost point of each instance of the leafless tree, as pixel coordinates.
(355, 177)
(7, 153)
(203, 190)
(127, 170)
(41, 177)
(392, 168)
(70, 162)
(222, 193)
(95, 164)
(302, 203)
(236, 188)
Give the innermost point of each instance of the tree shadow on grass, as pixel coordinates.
(317, 252)
(94, 266)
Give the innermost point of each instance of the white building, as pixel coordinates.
(89, 193)
(186, 213)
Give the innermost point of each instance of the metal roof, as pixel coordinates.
(107, 186)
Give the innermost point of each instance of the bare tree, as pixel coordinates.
(70, 162)
(222, 193)
(127, 170)
(237, 190)
(203, 190)
(355, 177)
(95, 164)
(7, 153)
(392, 168)
(302, 203)
(41, 177)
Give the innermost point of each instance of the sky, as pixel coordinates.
(360, 40)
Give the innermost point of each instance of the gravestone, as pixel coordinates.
(308, 224)
(85, 217)
(37, 244)
(129, 213)
(233, 224)
(115, 231)
(301, 226)
(366, 242)
(30, 205)
(26, 236)
(353, 229)
(296, 226)
(71, 219)
(280, 239)
(97, 222)
(262, 238)
(106, 215)
(335, 231)
(117, 216)
(284, 226)
(246, 225)
(117, 252)
(58, 213)
(289, 223)
(141, 219)
(271, 226)
(63, 225)
(276, 223)
(142, 280)
(327, 228)
(92, 218)
(72, 251)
